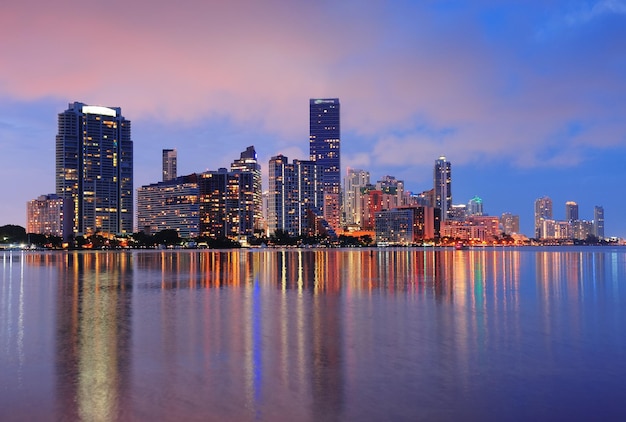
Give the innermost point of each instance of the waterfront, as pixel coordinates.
(324, 334)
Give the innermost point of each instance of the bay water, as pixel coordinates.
(314, 334)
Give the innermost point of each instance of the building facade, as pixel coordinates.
(543, 211)
(581, 229)
(94, 168)
(405, 226)
(475, 206)
(394, 189)
(598, 222)
(49, 215)
(353, 182)
(457, 212)
(227, 204)
(170, 205)
(251, 194)
(443, 186)
(169, 159)
(509, 223)
(325, 150)
(571, 211)
(295, 193)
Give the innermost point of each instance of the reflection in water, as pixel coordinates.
(93, 334)
(359, 334)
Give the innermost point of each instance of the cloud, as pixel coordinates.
(403, 75)
(587, 13)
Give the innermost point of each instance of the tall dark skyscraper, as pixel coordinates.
(443, 187)
(94, 168)
(571, 211)
(598, 221)
(324, 146)
(169, 164)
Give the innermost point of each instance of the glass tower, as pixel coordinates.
(324, 147)
(443, 187)
(598, 221)
(353, 182)
(543, 211)
(94, 168)
(251, 199)
(571, 211)
(169, 164)
(295, 191)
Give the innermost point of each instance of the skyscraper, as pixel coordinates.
(170, 205)
(94, 168)
(324, 146)
(443, 186)
(251, 195)
(509, 223)
(354, 181)
(47, 215)
(394, 188)
(169, 164)
(295, 192)
(543, 211)
(475, 206)
(230, 201)
(598, 222)
(571, 211)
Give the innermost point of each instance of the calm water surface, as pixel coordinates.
(314, 335)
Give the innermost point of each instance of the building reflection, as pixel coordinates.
(93, 320)
(252, 322)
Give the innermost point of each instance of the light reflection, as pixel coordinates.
(20, 323)
(93, 334)
(237, 326)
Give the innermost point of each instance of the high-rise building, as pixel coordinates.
(581, 229)
(543, 211)
(49, 214)
(94, 168)
(509, 223)
(571, 211)
(405, 226)
(295, 193)
(475, 206)
(218, 204)
(251, 196)
(598, 222)
(372, 202)
(354, 181)
(169, 164)
(458, 212)
(394, 189)
(443, 187)
(324, 146)
(170, 205)
(227, 204)
(481, 228)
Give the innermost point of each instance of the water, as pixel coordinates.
(314, 335)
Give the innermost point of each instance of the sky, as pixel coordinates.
(525, 99)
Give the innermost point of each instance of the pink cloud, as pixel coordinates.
(256, 63)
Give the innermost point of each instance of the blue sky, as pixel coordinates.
(525, 99)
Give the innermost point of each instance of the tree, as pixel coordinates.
(142, 239)
(282, 237)
(167, 237)
(366, 240)
(13, 234)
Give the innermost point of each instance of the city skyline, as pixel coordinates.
(537, 110)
